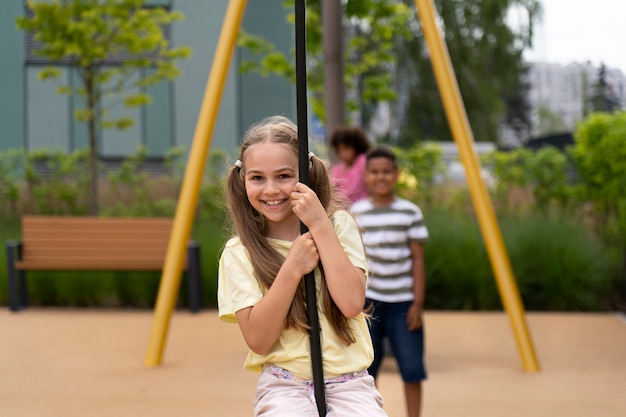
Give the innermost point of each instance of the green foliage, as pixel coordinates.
(213, 189)
(549, 121)
(458, 274)
(385, 55)
(136, 192)
(211, 230)
(9, 231)
(271, 61)
(43, 182)
(600, 155)
(557, 264)
(371, 30)
(132, 192)
(11, 164)
(603, 97)
(548, 169)
(419, 166)
(56, 182)
(486, 53)
(545, 172)
(558, 259)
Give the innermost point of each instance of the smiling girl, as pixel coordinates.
(260, 283)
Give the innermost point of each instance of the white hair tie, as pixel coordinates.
(238, 164)
(311, 155)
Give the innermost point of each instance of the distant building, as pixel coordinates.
(563, 92)
(559, 97)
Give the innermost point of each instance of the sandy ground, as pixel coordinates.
(89, 363)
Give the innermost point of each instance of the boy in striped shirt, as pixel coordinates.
(393, 233)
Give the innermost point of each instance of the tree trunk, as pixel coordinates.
(93, 143)
(333, 66)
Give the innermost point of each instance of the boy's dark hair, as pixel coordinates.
(382, 152)
(352, 136)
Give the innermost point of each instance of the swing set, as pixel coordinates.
(461, 132)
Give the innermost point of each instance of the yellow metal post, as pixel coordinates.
(183, 220)
(459, 125)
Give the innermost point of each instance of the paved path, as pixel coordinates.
(89, 363)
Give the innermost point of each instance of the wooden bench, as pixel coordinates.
(54, 243)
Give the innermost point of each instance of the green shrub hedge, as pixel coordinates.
(559, 258)
(557, 266)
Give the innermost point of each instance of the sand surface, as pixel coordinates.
(90, 363)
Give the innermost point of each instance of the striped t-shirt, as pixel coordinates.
(386, 233)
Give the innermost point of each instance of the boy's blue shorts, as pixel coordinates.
(389, 321)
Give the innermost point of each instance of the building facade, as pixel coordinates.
(34, 116)
(565, 92)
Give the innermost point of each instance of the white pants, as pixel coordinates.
(280, 397)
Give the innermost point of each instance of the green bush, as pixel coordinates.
(137, 193)
(11, 163)
(458, 274)
(545, 172)
(559, 260)
(600, 155)
(9, 230)
(557, 264)
(419, 166)
(131, 193)
(64, 187)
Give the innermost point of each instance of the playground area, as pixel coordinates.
(89, 363)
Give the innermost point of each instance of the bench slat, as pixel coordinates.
(95, 234)
(73, 243)
(93, 253)
(80, 265)
(87, 221)
(95, 228)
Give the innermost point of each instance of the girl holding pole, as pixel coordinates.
(260, 284)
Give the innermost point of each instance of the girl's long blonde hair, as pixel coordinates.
(250, 226)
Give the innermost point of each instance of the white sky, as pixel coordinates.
(581, 30)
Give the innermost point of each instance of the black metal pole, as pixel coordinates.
(303, 168)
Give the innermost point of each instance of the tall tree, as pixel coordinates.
(386, 60)
(485, 48)
(117, 48)
(603, 98)
(599, 153)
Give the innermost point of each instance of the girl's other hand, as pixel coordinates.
(303, 256)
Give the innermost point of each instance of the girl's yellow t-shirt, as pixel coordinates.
(238, 289)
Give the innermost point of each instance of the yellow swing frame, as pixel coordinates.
(459, 125)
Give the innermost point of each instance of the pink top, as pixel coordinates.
(350, 180)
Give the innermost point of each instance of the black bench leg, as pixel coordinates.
(18, 294)
(21, 279)
(194, 277)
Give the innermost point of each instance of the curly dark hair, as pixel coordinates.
(352, 136)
